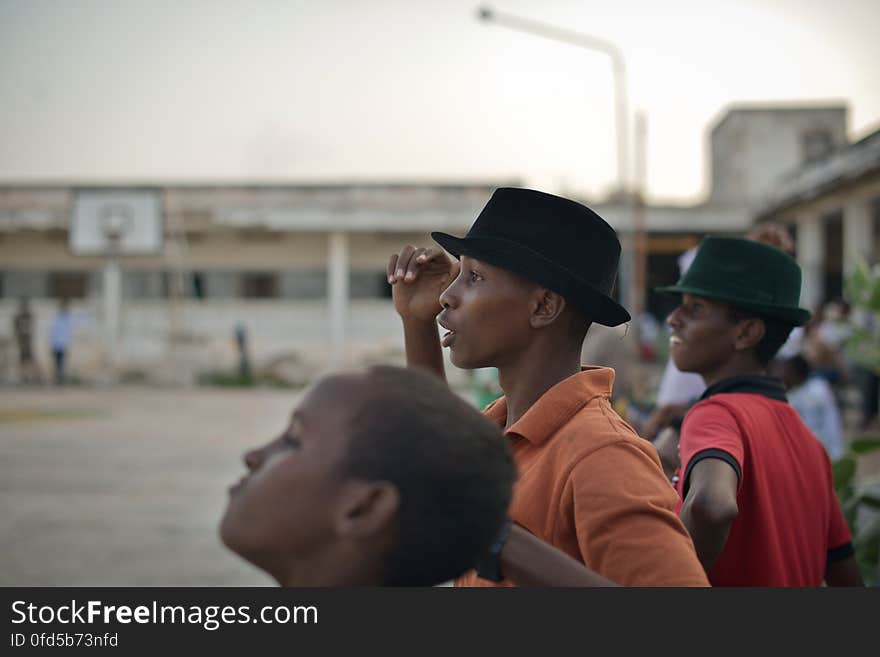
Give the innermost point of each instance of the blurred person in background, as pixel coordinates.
(826, 361)
(814, 401)
(823, 346)
(24, 327)
(60, 337)
(241, 346)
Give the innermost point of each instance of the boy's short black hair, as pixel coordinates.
(776, 332)
(452, 467)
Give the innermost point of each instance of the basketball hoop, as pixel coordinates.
(115, 221)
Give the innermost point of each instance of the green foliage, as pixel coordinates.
(860, 501)
(861, 508)
(863, 293)
(864, 445)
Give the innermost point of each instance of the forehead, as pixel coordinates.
(706, 301)
(331, 403)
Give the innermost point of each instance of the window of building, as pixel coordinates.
(304, 284)
(816, 145)
(369, 285)
(18, 284)
(259, 285)
(68, 284)
(140, 284)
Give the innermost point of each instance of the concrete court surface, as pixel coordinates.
(125, 486)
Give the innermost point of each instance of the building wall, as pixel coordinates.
(239, 264)
(751, 149)
(287, 339)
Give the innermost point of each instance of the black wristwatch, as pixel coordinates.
(490, 565)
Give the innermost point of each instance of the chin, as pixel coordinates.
(459, 361)
(226, 533)
(680, 364)
(232, 534)
(466, 364)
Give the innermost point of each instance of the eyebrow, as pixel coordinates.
(475, 262)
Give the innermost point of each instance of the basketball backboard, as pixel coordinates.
(116, 221)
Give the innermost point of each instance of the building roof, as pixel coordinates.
(844, 167)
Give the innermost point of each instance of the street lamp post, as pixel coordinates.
(638, 248)
(618, 65)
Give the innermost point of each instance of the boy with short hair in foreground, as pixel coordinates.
(383, 477)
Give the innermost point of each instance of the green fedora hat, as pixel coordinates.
(747, 274)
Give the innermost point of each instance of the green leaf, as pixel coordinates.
(844, 471)
(864, 445)
(850, 508)
(870, 500)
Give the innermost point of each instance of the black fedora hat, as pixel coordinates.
(550, 240)
(747, 274)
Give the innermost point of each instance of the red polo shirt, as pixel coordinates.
(789, 524)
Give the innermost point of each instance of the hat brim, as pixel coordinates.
(520, 259)
(790, 314)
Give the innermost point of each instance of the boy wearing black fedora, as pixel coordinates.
(755, 484)
(531, 275)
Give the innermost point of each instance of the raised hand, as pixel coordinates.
(418, 276)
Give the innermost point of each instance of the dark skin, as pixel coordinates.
(493, 318)
(526, 560)
(707, 341)
(499, 319)
(295, 517)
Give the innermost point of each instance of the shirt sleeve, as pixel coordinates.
(710, 431)
(623, 512)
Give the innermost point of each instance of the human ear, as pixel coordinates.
(749, 334)
(547, 306)
(366, 508)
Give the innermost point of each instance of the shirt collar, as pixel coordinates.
(556, 406)
(768, 386)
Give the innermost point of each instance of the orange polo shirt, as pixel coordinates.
(594, 489)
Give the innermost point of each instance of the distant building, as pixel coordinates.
(833, 206)
(750, 148)
(303, 266)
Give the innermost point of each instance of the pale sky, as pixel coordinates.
(405, 90)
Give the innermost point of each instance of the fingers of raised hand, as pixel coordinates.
(406, 265)
(398, 264)
(420, 257)
(391, 267)
(428, 254)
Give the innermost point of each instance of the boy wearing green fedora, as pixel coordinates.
(755, 484)
(519, 294)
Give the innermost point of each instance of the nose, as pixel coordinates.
(674, 319)
(449, 296)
